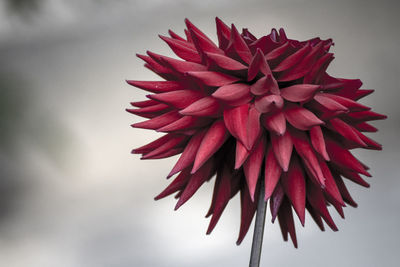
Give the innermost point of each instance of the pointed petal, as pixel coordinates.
(179, 99)
(240, 45)
(299, 92)
(181, 50)
(258, 64)
(318, 142)
(294, 185)
(276, 201)
(282, 146)
(286, 222)
(275, 122)
(241, 154)
(236, 122)
(253, 127)
(177, 184)
(225, 62)
(185, 123)
(170, 144)
(272, 173)
(232, 92)
(189, 154)
(248, 209)
(157, 86)
(301, 118)
(329, 103)
(346, 131)
(223, 32)
(268, 103)
(212, 78)
(207, 106)
(212, 141)
(277, 52)
(158, 122)
(293, 59)
(252, 166)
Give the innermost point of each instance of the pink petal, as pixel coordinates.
(236, 122)
(253, 127)
(318, 142)
(207, 106)
(252, 166)
(232, 92)
(275, 122)
(283, 146)
(268, 103)
(264, 85)
(241, 154)
(212, 141)
(272, 173)
(179, 99)
(299, 92)
(301, 118)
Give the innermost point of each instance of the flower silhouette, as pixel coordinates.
(256, 108)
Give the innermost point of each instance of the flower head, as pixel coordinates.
(256, 108)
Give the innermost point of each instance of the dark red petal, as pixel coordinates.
(258, 64)
(191, 27)
(177, 184)
(146, 103)
(330, 184)
(286, 222)
(306, 153)
(275, 122)
(212, 141)
(343, 191)
(236, 122)
(152, 145)
(346, 131)
(253, 127)
(157, 86)
(185, 123)
(232, 92)
(317, 201)
(179, 99)
(182, 66)
(203, 44)
(343, 157)
(365, 127)
(182, 51)
(252, 166)
(223, 196)
(282, 146)
(158, 122)
(277, 52)
(225, 62)
(207, 106)
(276, 201)
(293, 59)
(240, 45)
(223, 32)
(196, 180)
(248, 209)
(348, 103)
(294, 185)
(299, 92)
(172, 143)
(175, 36)
(329, 103)
(272, 173)
(301, 118)
(212, 78)
(318, 142)
(241, 154)
(189, 154)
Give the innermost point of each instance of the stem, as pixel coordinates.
(258, 228)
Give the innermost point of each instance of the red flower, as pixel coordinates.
(256, 107)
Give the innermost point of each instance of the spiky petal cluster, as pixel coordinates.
(256, 107)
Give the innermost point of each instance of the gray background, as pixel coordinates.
(72, 195)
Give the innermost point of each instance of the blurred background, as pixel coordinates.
(72, 195)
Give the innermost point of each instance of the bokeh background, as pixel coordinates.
(72, 195)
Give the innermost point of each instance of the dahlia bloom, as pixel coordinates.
(256, 108)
